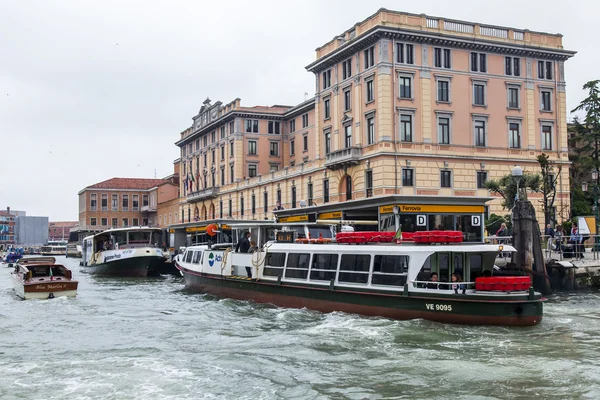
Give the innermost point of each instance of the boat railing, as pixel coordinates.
(442, 285)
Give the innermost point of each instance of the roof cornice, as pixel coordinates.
(374, 34)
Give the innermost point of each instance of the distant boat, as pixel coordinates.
(42, 278)
(128, 252)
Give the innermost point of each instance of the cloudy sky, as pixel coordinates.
(95, 90)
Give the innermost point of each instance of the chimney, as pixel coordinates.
(8, 210)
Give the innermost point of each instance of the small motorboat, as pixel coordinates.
(42, 278)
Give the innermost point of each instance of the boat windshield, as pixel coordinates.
(139, 237)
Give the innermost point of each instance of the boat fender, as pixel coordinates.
(51, 296)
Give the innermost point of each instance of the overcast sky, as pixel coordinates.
(95, 90)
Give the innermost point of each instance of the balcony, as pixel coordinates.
(343, 158)
(148, 208)
(205, 194)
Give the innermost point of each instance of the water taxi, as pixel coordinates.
(373, 274)
(128, 252)
(42, 278)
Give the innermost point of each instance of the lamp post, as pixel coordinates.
(595, 177)
(517, 174)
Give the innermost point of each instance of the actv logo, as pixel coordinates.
(212, 258)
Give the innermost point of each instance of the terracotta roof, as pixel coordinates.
(127, 183)
(60, 224)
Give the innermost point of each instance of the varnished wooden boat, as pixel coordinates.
(42, 278)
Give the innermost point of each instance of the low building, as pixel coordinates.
(118, 202)
(60, 230)
(167, 195)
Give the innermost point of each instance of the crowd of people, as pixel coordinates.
(572, 244)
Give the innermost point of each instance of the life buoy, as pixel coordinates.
(212, 229)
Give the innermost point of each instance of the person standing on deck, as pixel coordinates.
(243, 244)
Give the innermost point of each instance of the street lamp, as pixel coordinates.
(517, 174)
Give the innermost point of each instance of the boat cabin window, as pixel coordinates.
(317, 231)
(297, 265)
(139, 237)
(274, 264)
(390, 270)
(120, 238)
(324, 267)
(188, 256)
(475, 267)
(354, 268)
(196, 257)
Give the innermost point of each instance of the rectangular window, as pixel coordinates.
(220, 210)
(104, 221)
(252, 147)
(304, 120)
(293, 196)
(212, 153)
(370, 93)
(231, 127)
(145, 200)
(273, 127)
(348, 136)
(231, 175)
(481, 179)
(369, 55)
(242, 206)
(327, 108)
(370, 130)
(408, 177)
(354, 268)
(252, 126)
(125, 205)
(545, 70)
(93, 202)
(445, 178)
(253, 204)
(230, 207)
(136, 202)
(292, 126)
(222, 153)
(546, 137)
(405, 87)
(326, 79)
(546, 101)
(305, 143)
(93, 221)
(369, 182)
(309, 190)
(222, 176)
(223, 132)
(480, 134)
(442, 58)
(406, 128)
(549, 68)
(443, 91)
(297, 265)
(231, 149)
(443, 130)
(205, 160)
(347, 69)
(513, 97)
(328, 143)
(273, 149)
(292, 147)
(478, 94)
(213, 137)
(125, 221)
(278, 195)
(478, 62)
(252, 170)
(135, 222)
(324, 267)
(512, 66)
(326, 191)
(104, 202)
(347, 100)
(265, 202)
(405, 53)
(514, 135)
(205, 140)
(114, 222)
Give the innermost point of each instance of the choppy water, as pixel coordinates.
(148, 339)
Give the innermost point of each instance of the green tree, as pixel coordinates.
(507, 188)
(584, 142)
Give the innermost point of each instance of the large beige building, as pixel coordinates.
(406, 105)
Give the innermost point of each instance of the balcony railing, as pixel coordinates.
(205, 194)
(148, 208)
(343, 158)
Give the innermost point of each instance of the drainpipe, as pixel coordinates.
(394, 135)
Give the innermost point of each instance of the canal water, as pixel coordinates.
(149, 339)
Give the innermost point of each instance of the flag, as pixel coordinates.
(398, 235)
(193, 179)
(51, 275)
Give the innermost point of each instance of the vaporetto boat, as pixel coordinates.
(374, 279)
(131, 252)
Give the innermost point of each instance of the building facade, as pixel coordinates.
(405, 105)
(7, 229)
(118, 202)
(60, 230)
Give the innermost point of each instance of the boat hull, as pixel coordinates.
(443, 308)
(139, 266)
(42, 291)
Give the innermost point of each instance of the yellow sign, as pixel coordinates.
(171, 230)
(294, 218)
(422, 208)
(330, 215)
(225, 226)
(196, 229)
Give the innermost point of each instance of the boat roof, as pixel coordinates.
(386, 247)
(126, 229)
(37, 260)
